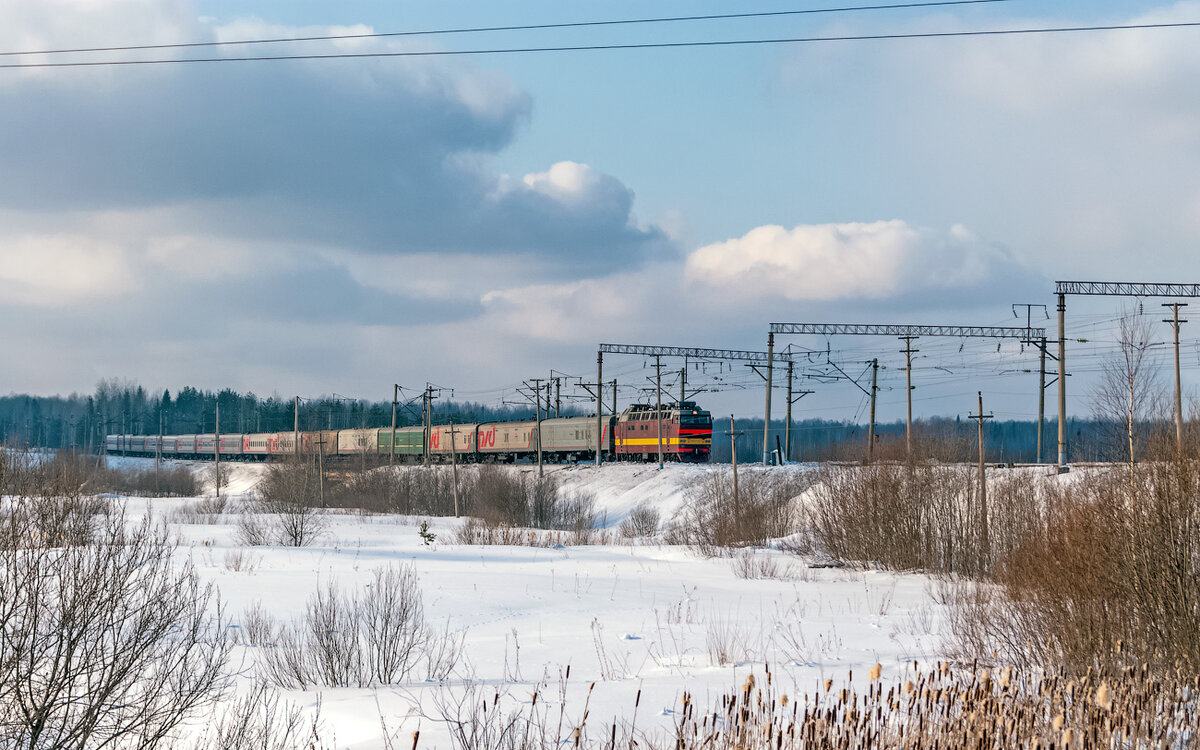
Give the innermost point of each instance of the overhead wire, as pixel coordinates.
(614, 46)
(519, 27)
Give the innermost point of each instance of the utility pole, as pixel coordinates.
(557, 396)
(1175, 323)
(321, 467)
(985, 542)
(733, 435)
(871, 426)
(157, 452)
(395, 403)
(787, 425)
(454, 464)
(766, 455)
(296, 428)
(217, 451)
(658, 389)
(614, 391)
(537, 396)
(908, 351)
(1041, 400)
(1041, 345)
(1062, 383)
(600, 406)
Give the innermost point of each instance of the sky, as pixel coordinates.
(309, 227)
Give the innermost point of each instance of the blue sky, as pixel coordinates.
(337, 226)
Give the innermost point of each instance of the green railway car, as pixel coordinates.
(408, 441)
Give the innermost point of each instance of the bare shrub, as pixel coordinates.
(105, 643)
(642, 521)
(1114, 577)
(715, 519)
(253, 528)
(407, 490)
(374, 638)
(727, 640)
(206, 510)
(290, 492)
(918, 516)
(261, 720)
(752, 564)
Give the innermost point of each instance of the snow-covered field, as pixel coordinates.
(626, 616)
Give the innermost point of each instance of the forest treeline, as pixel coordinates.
(80, 421)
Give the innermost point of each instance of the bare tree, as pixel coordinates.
(1130, 395)
(103, 644)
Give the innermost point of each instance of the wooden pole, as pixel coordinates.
(984, 541)
(871, 425)
(454, 464)
(908, 351)
(1175, 322)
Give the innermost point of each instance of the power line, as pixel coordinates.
(630, 46)
(525, 27)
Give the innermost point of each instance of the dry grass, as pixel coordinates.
(941, 707)
(716, 520)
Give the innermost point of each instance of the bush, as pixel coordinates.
(375, 638)
(918, 516)
(1115, 577)
(712, 522)
(104, 643)
(289, 507)
(641, 521)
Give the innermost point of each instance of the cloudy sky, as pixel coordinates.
(320, 226)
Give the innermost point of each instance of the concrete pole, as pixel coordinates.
(787, 426)
(599, 406)
(1175, 322)
(733, 457)
(766, 453)
(296, 427)
(658, 390)
(871, 426)
(157, 451)
(217, 452)
(395, 400)
(425, 422)
(537, 392)
(1041, 427)
(1062, 383)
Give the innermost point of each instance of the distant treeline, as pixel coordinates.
(1012, 441)
(79, 421)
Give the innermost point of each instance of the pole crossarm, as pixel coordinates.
(692, 352)
(1126, 289)
(853, 329)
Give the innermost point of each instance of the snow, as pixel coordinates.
(628, 616)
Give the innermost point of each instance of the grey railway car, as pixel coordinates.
(568, 437)
(356, 442)
(464, 440)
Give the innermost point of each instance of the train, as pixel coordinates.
(632, 435)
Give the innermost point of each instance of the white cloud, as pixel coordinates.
(875, 260)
